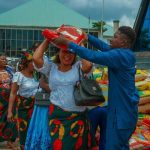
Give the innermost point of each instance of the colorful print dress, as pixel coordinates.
(25, 102)
(8, 131)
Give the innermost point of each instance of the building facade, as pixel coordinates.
(22, 26)
(15, 39)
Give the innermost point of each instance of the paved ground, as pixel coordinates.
(9, 146)
(15, 146)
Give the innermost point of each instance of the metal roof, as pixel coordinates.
(43, 13)
(46, 13)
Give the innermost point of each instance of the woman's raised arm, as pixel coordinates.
(38, 54)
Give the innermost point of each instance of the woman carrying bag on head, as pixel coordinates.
(68, 122)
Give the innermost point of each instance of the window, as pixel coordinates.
(1, 45)
(7, 44)
(14, 35)
(30, 34)
(41, 37)
(19, 44)
(19, 34)
(143, 40)
(8, 34)
(2, 34)
(13, 44)
(13, 40)
(25, 44)
(30, 43)
(25, 34)
(36, 37)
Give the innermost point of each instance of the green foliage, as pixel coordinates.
(98, 25)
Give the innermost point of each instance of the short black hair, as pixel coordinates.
(129, 33)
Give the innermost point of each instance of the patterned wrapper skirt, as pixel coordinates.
(25, 109)
(8, 131)
(70, 130)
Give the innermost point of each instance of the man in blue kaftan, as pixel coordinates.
(123, 97)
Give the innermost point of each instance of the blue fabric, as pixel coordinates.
(98, 118)
(10, 71)
(117, 139)
(123, 97)
(38, 135)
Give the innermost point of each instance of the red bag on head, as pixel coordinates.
(50, 34)
(72, 33)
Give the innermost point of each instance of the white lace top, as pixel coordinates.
(62, 85)
(27, 86)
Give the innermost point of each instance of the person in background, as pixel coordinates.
(38, 137)
(24, 87)
(68, 122)
(8, 131)
(123, 97)
(35, 46)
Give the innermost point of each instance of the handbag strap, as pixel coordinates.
(81, 76)
(38, 87)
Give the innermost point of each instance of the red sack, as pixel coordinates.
(50, 34)
(146, 121)
(73, 34)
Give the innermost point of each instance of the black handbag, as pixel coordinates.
(42, 98)
(87, 92)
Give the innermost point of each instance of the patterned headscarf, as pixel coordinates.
(26, 57)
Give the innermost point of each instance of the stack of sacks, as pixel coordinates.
(101, 76)
(141, 136)
(143, 85)
(97, 74)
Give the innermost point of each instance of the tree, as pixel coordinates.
(99, 26)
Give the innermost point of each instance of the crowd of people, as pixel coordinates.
(61, 121)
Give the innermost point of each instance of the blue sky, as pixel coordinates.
(123, 10)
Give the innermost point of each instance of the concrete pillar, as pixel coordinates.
(115, 25)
